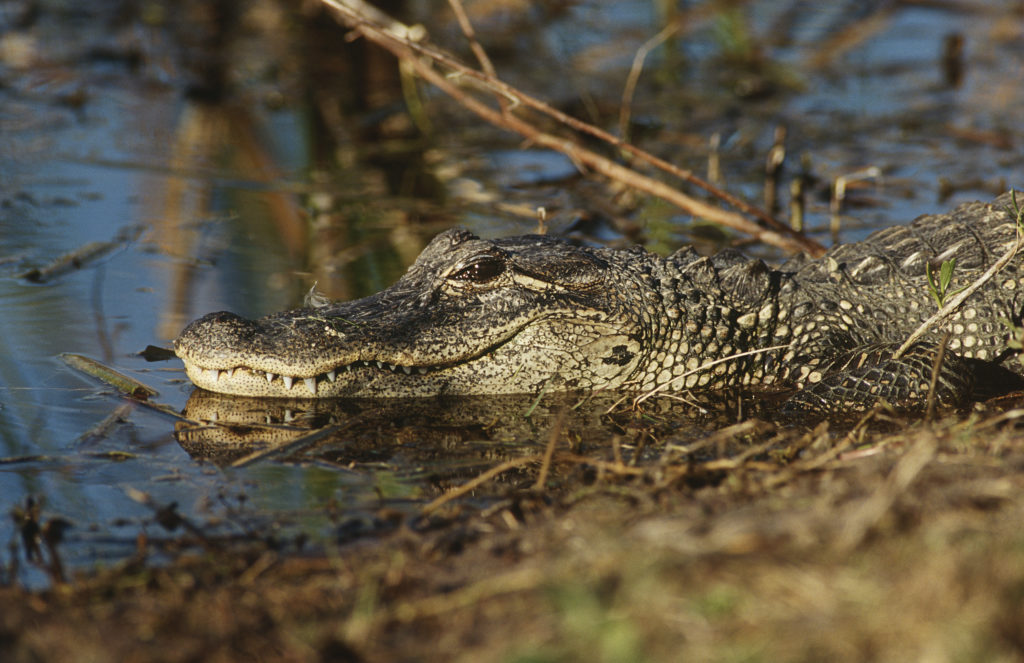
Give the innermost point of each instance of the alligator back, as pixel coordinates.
(974, 234)
(852, 309)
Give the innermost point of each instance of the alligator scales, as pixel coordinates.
(535, 313)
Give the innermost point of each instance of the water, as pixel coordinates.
(241, 210)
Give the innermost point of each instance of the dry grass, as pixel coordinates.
(783, 545)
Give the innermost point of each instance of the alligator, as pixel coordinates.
(535, 314)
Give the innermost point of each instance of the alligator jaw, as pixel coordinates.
(302, 354)
(246, 381)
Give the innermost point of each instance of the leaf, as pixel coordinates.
(946, 274)
(933, 288)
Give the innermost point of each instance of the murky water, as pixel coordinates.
(244, 204)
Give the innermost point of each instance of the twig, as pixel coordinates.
(421, 57)
(940, 356)
(603, 465)
(607, 167)
(859, 518)
(635, 70)
(836, 450)
(166, 515)
(103, 428)
(286, 446)
(856, 32)
(122, 383)
(773, 166)
(617, 449)
(82, 257)
(702, 367)
(748, 427)
(1009, 415)
(442, 603)
(474, 45)
(478, 481)
(819, 461)
(953, 304)
(549, 450)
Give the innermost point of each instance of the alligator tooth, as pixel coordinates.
(212, 372)
(421, 370)
(310, 384)
(331, 375)
(270, 377)
(392, 368)
(289, 416)
(229, 372)
(407, 369)
(287, 381)
(380, 364)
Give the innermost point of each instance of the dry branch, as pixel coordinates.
(407, 45)
(480, 480)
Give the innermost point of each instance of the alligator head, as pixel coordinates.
(470, 316)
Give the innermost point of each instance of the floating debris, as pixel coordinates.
(124, 384)
(81, 257)
(101, 430)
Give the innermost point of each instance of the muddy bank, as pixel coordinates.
(787, 546)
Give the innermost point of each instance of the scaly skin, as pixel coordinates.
(530, 314)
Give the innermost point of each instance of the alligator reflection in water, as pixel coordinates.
(342, 432)
(451, 436)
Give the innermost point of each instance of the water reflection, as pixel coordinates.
(425, 446)
(444, 433)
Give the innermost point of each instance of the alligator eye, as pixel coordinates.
(481, 270)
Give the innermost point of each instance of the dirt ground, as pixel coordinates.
(891, 541)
